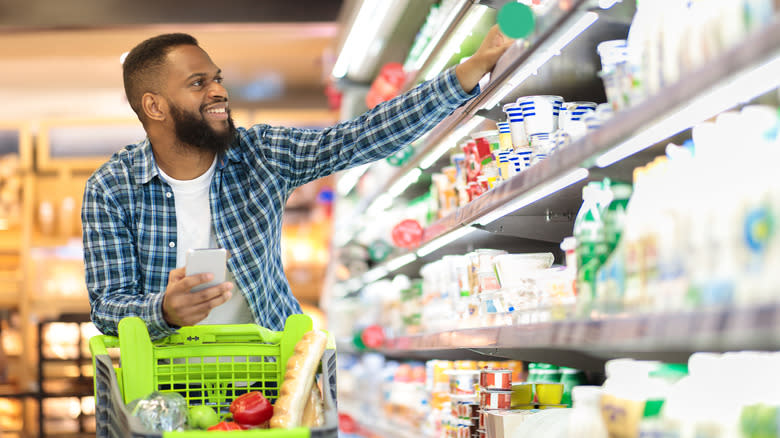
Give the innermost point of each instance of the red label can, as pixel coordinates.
(495, 379)
(495, 399)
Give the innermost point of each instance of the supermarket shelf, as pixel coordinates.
(587, 344)
(628, 128)
(555, 20)
(377, 426)
(382, 428)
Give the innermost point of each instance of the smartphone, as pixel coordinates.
(201, 260)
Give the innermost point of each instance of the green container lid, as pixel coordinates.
(653, 408)
(670, 371)
(545, 366)
(516, 20)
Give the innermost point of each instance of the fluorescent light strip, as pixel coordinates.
(400, 262)
(465, 28)
(405, 181)
(353, 284)
(448, 238)
(362, 33)
(437, 36)
(606, 4)
(542, 56)
(450, 142)
(341, 236)
(534, 195)
(375, 274)
(350, 178)
(743, 87)
(380, 204)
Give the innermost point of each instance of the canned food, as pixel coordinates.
(482, 433)
(482, 419)
(495, 399)
(469, 410)
(495, 379)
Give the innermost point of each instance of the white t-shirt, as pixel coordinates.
(194, 230)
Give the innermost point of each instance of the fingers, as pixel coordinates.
(192, 307)
(212, 293)
(176, 275)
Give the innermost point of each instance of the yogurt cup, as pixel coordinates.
(495, 399)
(495, 379)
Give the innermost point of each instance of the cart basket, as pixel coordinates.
(207, 364)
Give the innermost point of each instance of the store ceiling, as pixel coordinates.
(62, 58)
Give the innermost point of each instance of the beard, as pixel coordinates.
(196, 132)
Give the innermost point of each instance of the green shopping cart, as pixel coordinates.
(208, 364)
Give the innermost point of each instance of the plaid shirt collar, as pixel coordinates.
(145, 168)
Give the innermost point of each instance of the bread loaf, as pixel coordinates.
(313, 412)
(298, 380)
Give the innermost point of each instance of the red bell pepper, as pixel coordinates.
(226, 425)
(251, 409)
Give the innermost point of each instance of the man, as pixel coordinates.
(197, 181)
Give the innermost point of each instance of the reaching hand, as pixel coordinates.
(493, 46)
(182, 307)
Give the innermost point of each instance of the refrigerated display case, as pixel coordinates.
(536, 209)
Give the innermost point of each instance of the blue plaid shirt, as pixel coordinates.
(129, 215)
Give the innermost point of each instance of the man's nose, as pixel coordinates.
(217, 91)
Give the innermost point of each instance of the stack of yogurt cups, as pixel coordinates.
(495, 393)
(542, 125)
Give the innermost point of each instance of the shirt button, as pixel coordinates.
(168, 194)
(171, 244)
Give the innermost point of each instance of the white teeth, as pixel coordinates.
(216, 111)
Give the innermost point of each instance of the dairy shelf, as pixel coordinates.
(552, 188)
(587, 344)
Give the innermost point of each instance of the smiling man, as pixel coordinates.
(197, 181)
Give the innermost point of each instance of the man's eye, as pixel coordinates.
(197, 83)
(218, 79)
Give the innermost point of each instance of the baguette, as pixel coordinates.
(298, 380)
(313, 412)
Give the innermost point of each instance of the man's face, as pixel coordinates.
(198, 102)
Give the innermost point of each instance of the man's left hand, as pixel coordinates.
(493, 46)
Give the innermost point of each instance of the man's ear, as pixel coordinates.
(154, 106)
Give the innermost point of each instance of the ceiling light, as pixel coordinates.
(361, 35)
(374, 274)
(349, 178)
(446, 239)
(405, 181)
(464, 30)
(380, 204)
(434, 41)
(401, 261)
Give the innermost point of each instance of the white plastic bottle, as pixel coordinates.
(585, 419)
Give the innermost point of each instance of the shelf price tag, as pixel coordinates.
(407, 234)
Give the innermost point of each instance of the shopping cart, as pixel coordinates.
(209, 364)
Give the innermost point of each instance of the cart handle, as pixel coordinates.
(99, 344)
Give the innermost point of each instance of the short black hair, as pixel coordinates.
(141, 70)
